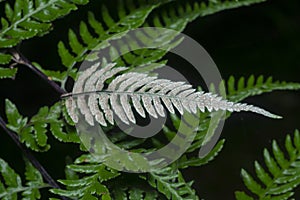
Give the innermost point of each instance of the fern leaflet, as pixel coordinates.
(7, 72)
(34, 132)
(170, 182)
(242, 88)
(89, 187)
(283, 173)
(30, 18)
(12, 184)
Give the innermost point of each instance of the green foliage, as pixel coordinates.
(4, 58)
(7, 72)
(134, 193)
(171, 183)
(243, 88)
(33, 132)
(282, 174)
(12, 183)
(89, 187)
(185, 162)
(30, 18)
(133, 18)
(176, 16)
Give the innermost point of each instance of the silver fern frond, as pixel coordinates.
(98, 102)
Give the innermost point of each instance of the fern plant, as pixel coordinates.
(118, 89)
(12, 183)
(281, 176)
(29, 18)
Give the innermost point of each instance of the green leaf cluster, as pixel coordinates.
(33, 132)
(11, 183)
(171, 183)
(91, 185)
(243, 88)
(280, 175)
(28, 18)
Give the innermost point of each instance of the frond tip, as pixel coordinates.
(146, 93)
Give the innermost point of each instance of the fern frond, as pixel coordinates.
(29, 18)
(130, 17)
(7, 72)
(242, 88)
(134, 193)
(282, 174)
(91, 186)
(11, 183)
(171, 183)
(185, 161)
(4, 58)
(33, 132)
(138, 87)
(88, 172)
(134, 19)
(176, 15)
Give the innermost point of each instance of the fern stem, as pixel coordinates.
(21, 59)
(30, 156)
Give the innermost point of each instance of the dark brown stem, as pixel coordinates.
(21, 59)
(29, 156)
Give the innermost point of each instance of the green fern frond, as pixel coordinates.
(134, 193)
(33, 132)
(242, 88)
(7, 72)
(131, 19)
(30, 18)
(185, 161)
(134, 19)
(11, 183)
(171, 183)
(176, 15)
(91, 185)
(282, 174)
(4, 58)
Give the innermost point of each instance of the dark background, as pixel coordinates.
(260, 39)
